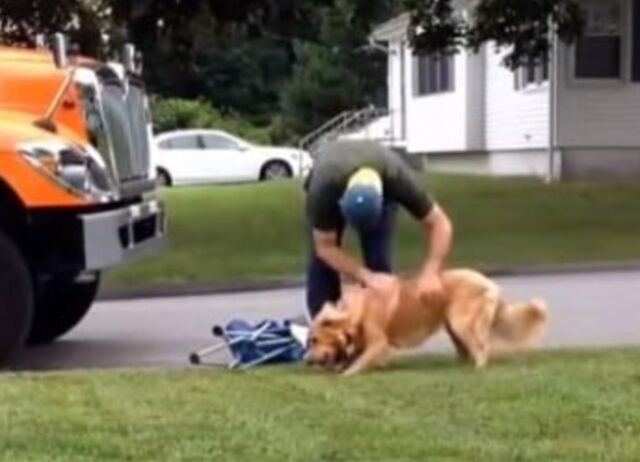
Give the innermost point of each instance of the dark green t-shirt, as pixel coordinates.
(335, 164)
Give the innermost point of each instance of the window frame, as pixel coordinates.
(625, 53)
(541, 74)
(634, 38)
(423, 68)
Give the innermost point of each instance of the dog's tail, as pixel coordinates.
(518, 326)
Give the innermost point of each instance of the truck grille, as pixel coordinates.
(126, 118)
(139, 129)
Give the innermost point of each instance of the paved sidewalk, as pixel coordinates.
(594, 309)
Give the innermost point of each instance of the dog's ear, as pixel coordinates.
(331, 315)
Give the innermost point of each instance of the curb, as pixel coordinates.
(192, 290)
(261, 285)
(563, 268)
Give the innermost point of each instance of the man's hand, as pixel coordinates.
(327, 248)
(382, 283)
(430, 285)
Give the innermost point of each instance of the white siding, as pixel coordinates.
(437, 123)
(475, 101)
(514, 119)
(596, 115)
(529, 163)
(394, 89)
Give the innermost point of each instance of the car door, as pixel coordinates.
(227, 159)
(180, 155)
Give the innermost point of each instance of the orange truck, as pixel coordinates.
(77, 189)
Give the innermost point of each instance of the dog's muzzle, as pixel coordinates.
(333, 362)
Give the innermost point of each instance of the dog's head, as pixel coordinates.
(332, 339)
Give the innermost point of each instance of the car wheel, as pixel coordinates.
(61, 303)
(275, 170)
(16, 300)
(163, 179)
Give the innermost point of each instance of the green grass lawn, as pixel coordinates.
(573, 406)
(257, 231)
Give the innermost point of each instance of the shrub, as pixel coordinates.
(175, 113)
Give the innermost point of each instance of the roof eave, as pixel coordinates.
(394, 29)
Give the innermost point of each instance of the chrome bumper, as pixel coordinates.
(115, 236)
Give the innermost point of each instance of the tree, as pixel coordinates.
(238, 55)
(525, 26)
(321, 87)
(82, 20)
(20, 21)
(337, 71)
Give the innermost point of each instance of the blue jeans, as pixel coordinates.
(323, 282)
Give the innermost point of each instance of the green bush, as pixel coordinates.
(175, 113)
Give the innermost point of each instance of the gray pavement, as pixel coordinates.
(586, 310)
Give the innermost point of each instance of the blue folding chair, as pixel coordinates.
(267, 342)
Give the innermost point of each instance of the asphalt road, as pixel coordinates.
(586, 310)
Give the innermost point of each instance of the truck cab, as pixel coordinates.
(77, 190)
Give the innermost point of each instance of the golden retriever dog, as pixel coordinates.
(363, 327)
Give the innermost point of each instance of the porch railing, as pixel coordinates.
(344, 123)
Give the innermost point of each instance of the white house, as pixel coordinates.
(577, 116)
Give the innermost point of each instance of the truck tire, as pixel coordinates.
(60, 305)
(16, 300)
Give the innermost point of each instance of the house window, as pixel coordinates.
(599, 50)
(532, 74)
(636, 41)
(434, 74)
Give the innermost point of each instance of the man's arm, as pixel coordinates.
(438, 233)
(328, 250)
(407, 187)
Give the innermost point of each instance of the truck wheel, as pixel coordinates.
(60, 305)
(16, 300)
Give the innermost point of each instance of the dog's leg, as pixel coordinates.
(459, 321)
(470, 322)
(463, 330)
(487, 311)
(461, 349)
(374, 355)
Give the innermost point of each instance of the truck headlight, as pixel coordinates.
(71, 166)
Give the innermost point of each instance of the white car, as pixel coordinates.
(185, 157)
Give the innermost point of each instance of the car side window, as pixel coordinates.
(212, 141)
(181, 142)
(166, 144)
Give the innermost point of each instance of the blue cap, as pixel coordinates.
(361, 202)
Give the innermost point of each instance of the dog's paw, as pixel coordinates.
(539, 304)
(538, 309)
(349, 372)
